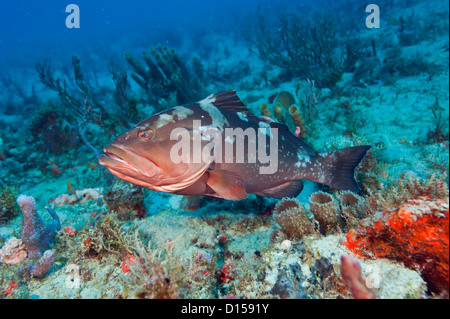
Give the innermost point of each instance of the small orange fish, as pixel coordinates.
(69, 187)
(93, 165)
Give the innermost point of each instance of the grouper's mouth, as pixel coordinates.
(140, 170)
(126, 162)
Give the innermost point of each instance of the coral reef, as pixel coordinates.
(104, 237)
(325, 209)
(333, 213)
(51, 130)
(317, 69)
(417, 234)
(166, 75)
(284, 110)
(351, 274)
(36, 236)
(385, 279)
(126, 200)
(288, 284)
(8, 205)
(336, 212)
(155, 274)
(82, 100)
(13, 252)
(310, 51)
(78, 196)
(391, 197)
(43, 265)
(292, 217)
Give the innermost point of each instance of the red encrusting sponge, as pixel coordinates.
(416, 234)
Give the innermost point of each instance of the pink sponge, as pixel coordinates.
(27, 204)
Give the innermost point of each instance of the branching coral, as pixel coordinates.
(310, 51)
(406, 188)
(440, 131)
(81, 99)
(128, 104)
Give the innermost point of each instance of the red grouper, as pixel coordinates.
(216, 147)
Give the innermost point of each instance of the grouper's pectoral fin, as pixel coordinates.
(289, 189)
(228, 185)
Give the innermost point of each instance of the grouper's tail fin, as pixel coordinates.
(338, 168)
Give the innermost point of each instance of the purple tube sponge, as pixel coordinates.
(41, 267)
(32, 226)
(36, 236)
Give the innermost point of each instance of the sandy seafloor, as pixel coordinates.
(394, 118)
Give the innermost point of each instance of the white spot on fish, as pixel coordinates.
(264, 125)
(182, 112)
(303, 160)
(217, 118)
(164, 119)
(242, 116)
(208, 100)
(322, 178)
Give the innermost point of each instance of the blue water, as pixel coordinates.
(33, 29)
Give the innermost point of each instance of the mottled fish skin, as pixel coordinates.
(148, 162)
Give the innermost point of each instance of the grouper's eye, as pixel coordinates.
(146, 135)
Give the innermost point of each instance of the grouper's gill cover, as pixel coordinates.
(142, 155)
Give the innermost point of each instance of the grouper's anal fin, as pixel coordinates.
(289, 189)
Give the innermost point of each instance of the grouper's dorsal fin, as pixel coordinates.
(227, 100)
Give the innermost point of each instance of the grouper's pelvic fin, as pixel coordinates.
(337, 169)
